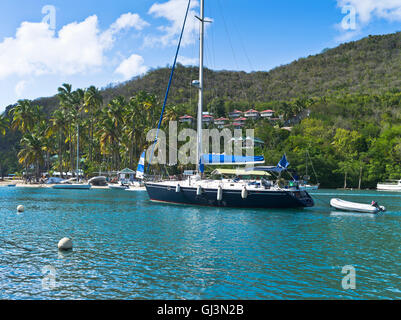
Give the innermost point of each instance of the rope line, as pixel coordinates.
(169, 83)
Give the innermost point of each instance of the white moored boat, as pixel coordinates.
(118, 186)
(390, 185)
(75, 186)
(356, 207)
(308, 187)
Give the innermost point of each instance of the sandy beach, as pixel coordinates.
(21, 184)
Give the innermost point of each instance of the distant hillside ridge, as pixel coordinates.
(370, 65)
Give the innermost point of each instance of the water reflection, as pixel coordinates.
(128, 248)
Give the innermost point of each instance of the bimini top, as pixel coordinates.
(219, 159)
(240, 172)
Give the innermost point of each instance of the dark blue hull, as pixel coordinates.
(231, 198)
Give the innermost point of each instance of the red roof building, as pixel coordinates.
(235, 114)
(267, 114)
(186, 119)
(240, 120)
(207, 118)
(252, 114)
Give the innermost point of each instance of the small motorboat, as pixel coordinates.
(132, 188)
(72, 186)
(356, 207)
(308, 187)
(118, 186)
(389, 185)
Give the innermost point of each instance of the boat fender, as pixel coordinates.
(199, 191)
(178, 188)
(219, 193)
(244, 193)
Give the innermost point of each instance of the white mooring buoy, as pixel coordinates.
(20, 208)
(65, 244)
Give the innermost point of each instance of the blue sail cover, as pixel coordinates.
(217, 159)
(201, 166)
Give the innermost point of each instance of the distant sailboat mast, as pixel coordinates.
(200, 106)
(77, 152)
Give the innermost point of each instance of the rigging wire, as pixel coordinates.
(233, 52)
(313, 168)
(169, 83)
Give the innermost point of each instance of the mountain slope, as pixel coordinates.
(370, 65)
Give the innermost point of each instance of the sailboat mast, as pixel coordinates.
(200, 105)
(77, 152)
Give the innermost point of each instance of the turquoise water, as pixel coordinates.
(128, 248)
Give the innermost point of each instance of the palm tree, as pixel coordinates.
(31, 151)
(77, 102)
(58, 126)
(111, 129)
(109, 138)
(140, 117)
(132, 126)
(3, 124)
(72, 103)
(93, 100)
(25, 116)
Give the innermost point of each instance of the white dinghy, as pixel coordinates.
(356, 207)
(118, 186)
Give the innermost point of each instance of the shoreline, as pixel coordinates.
(21, 184)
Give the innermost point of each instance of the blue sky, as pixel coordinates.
(102, 42)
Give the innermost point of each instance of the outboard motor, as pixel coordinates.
(376, 205)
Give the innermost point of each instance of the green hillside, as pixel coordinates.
(370, 65)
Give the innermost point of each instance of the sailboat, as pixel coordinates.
(305, 185)
(224, 193)
(76, 186)
(139, 175)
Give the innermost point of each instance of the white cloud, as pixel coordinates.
(19, 88)
(131, 67)
(77, 48)
(174, 12)
(347, 36)
(367, 9)
(361, 12)
(129, 20)
(187, 61)
(125, 21)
